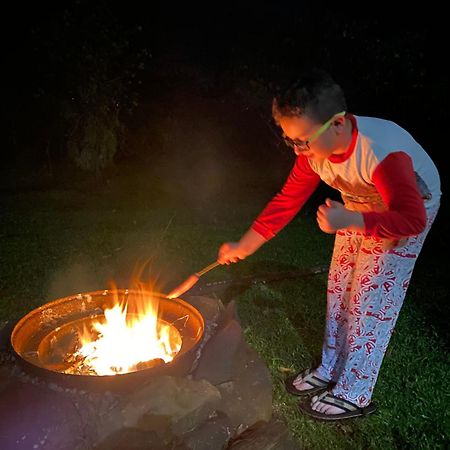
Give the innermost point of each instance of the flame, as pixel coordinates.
(126, 340)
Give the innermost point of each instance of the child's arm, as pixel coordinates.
(395, 180)
(300, 184)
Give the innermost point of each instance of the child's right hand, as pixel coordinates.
(230, 252)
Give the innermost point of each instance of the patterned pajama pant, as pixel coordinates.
(367, 283)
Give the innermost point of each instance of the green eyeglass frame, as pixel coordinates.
(304, 145)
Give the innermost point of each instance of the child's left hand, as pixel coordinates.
(332, 216)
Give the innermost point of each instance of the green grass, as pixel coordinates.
(60, 242)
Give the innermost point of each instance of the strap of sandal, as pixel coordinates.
(309, 377)
(330, 399)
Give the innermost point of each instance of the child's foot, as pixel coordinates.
(306, 382)
(328, 407)
(325, 408)
(303, 380)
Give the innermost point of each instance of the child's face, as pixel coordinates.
(298, 131)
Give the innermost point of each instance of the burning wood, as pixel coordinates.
(77, 365)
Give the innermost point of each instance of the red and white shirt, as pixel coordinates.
(385, 174)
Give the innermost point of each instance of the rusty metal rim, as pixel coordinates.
(181, 364)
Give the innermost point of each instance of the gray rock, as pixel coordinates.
(222, 355)
(213, 434)
(247, 398)
(210, 308)
(169, 406)
(133, 439)
(230, 313)
(273, 435)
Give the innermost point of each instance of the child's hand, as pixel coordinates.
(333, 216)
(231, 252)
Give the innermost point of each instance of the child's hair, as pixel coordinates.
(315, 94)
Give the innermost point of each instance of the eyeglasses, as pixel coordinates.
(303, 146)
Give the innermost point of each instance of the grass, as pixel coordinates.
(60, 242)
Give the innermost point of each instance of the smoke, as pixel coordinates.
(74, 279)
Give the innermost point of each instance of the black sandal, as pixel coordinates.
(350, 409)
(317, 384)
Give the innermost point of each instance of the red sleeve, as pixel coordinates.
(300, 184)
(395, 180)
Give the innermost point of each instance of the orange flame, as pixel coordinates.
(126, 340)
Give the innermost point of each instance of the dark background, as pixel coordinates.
(390, 63)
(186, 68)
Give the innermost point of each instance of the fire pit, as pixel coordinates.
(90, 339)
(215, 386)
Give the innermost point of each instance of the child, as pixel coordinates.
(391, 193)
